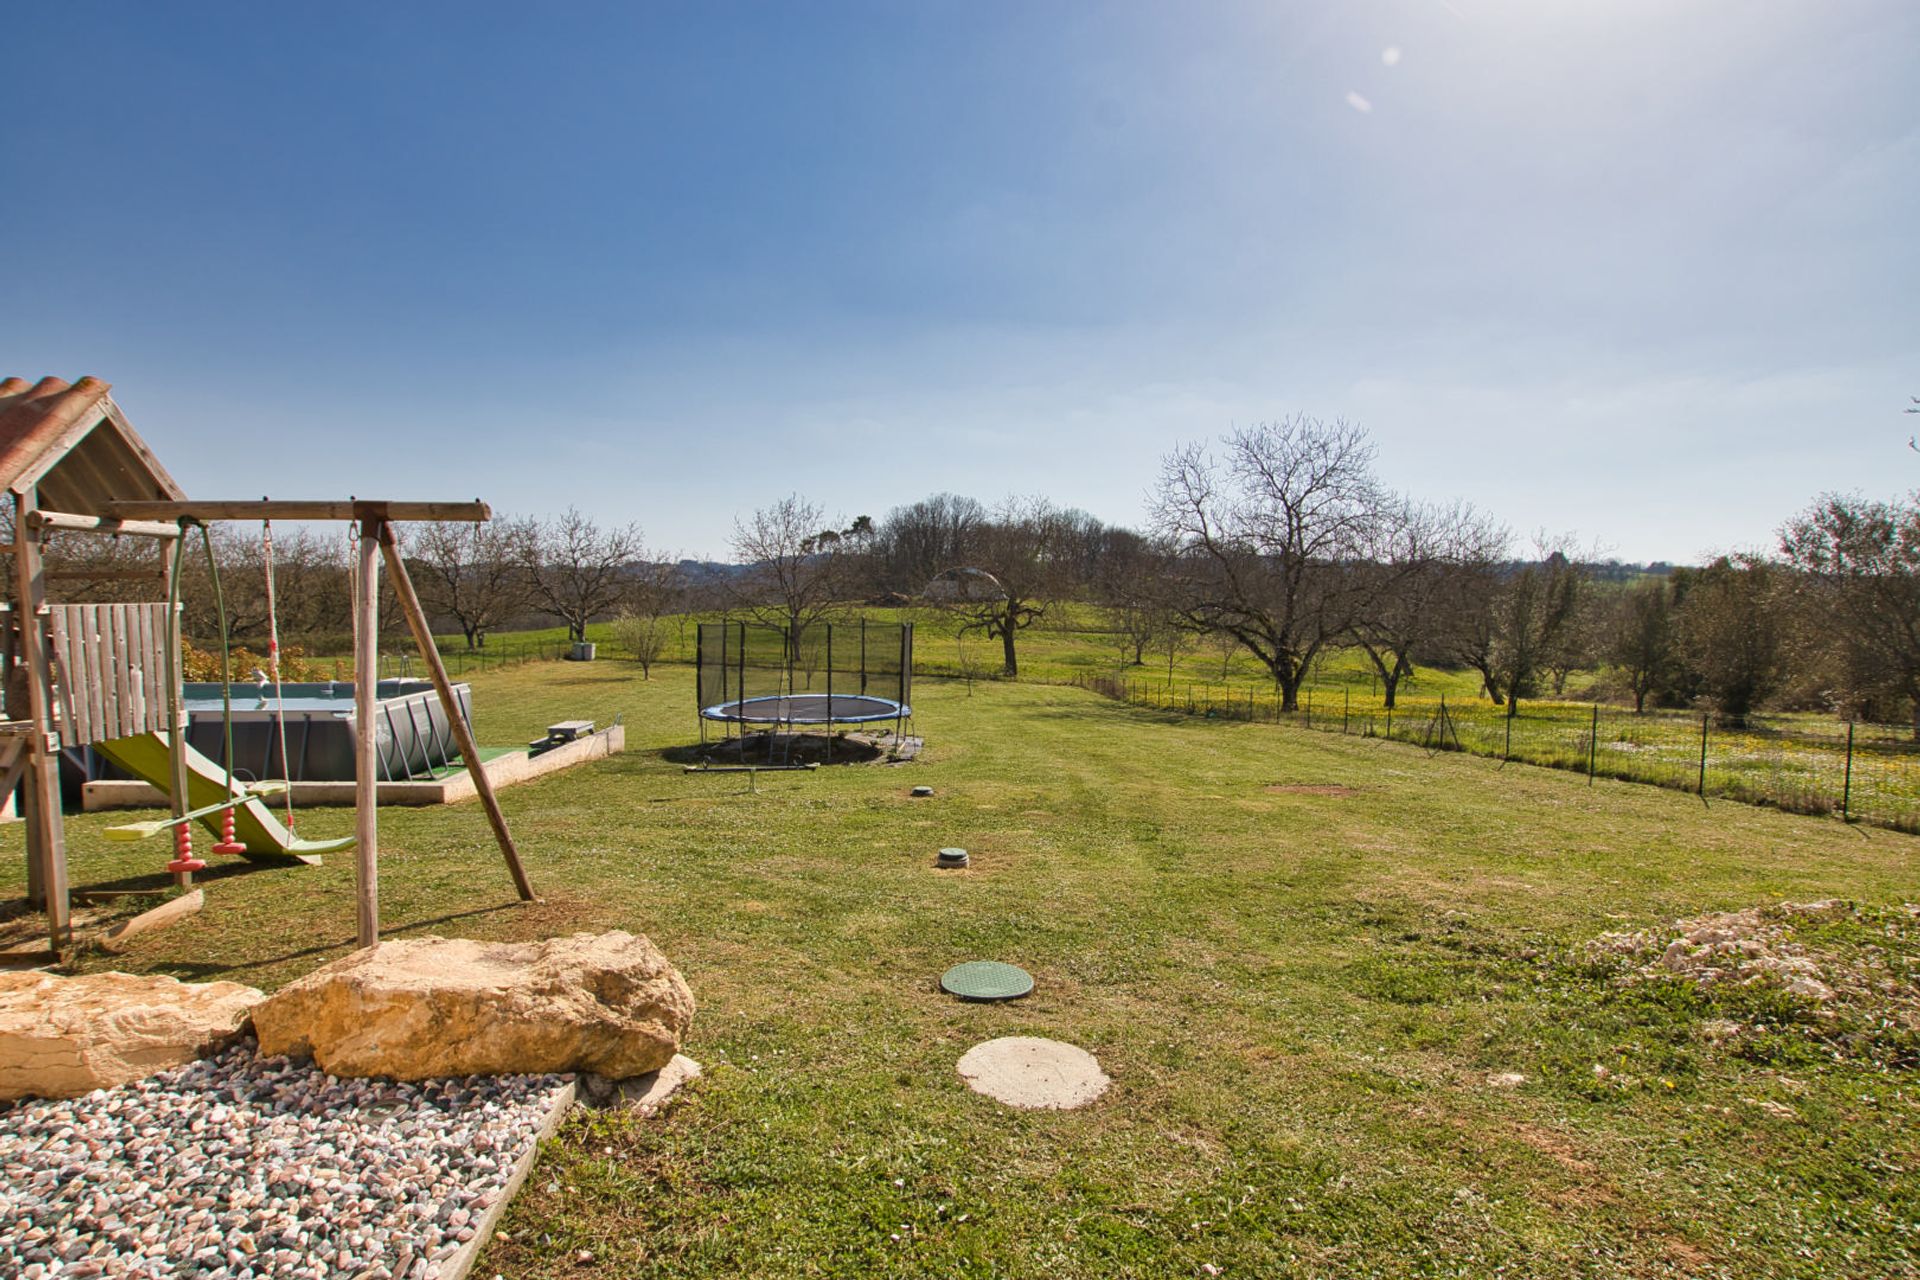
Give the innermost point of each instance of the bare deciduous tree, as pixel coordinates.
(1127, 584)
(576, 570)
(1012, 576)
(472, 573)
(656, 597)
(1534, 609)
(1268, 541)
(799, 567)
(1417, 554)
(917, 543)
(1467, 598)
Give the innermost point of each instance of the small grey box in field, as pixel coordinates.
(921, 791)
(952, 858)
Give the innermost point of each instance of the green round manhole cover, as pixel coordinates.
(986, 980)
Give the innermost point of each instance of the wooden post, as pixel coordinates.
(462, 731)
(366, 788)
(46, 832)
(19, 708)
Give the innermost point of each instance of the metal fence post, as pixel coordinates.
(1593, 743)
(1846, 787)
(1346, 708)
(1506, 752)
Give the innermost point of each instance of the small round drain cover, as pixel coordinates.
(952, 858)
(986, 980)
(923, 791)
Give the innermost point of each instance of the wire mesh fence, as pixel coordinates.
(740, 662)
(1802, 763)
(402, 663)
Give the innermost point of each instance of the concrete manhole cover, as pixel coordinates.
(1033, 1073)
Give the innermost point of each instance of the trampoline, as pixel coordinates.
(777, 681)
(807, 708)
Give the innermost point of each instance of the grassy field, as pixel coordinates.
(1312, 1002)
(1794, 761)
(1800, 762)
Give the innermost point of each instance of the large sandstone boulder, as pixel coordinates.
(418, 1007)
(62, 1037)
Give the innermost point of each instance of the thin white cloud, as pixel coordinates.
(1358, 103)
(1390, 55)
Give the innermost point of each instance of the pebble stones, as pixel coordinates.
(921, 793)
(240, 1167)
(951, 859)
(1034, 1074)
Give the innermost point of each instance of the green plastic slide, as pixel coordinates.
(148, 756)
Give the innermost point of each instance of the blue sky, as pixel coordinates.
(1644, 271)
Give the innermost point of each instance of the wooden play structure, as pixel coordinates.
(110, 675)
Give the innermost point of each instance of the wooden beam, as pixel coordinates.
(278, 509)
(366, 749)
(462, 731)
(79, 573)
(116, 938)
(46, 830)
(41, 520)
(165, 483)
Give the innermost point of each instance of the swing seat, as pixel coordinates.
(149, 756)
(129, 831)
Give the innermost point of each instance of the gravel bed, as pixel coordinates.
(243, 1166)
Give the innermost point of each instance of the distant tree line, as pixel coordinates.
(1278, 541)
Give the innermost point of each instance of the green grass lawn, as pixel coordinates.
(1301, 997)
(1797, 761)
(1800, 762)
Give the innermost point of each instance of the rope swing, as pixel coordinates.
(226, 843)
(273, 668)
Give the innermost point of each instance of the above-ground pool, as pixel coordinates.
(412, 734)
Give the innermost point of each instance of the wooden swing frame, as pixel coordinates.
(376, 542)
(72, 463)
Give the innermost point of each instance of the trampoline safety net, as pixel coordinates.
(822, 673)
